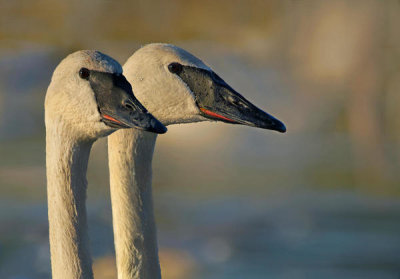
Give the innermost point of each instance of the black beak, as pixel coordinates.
(118, 106)
(218, 101)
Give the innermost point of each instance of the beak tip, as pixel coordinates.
(273, 124)
(281, 128)
(159, 128)
(163, 131)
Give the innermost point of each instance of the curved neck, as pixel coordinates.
(130, 155)
(66, 165)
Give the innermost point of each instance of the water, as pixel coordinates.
(302, 236)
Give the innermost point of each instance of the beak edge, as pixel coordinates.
(213, 114)
(111, 119)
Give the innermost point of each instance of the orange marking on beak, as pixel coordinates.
(213, 114)
(111, 119)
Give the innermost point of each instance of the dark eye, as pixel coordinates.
(84, 73)
(175, 68)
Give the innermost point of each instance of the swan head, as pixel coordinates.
(90, 97)
(178, 87)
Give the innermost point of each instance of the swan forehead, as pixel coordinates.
(167, 53)
(91, 59)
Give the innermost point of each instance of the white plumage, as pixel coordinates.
(170, 99)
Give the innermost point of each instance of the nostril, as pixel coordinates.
(128, 106)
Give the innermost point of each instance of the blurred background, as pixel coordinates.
(321, 201)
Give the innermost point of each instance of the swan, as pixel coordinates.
(176, 87)
(88, 97)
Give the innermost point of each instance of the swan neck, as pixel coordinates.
(130, 159)
(66, 165)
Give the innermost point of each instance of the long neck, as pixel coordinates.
(66, 162)
(130, 156)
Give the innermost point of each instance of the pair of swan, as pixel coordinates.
(89, 98)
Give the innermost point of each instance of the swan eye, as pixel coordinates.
(84, 73)
(175, 68)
